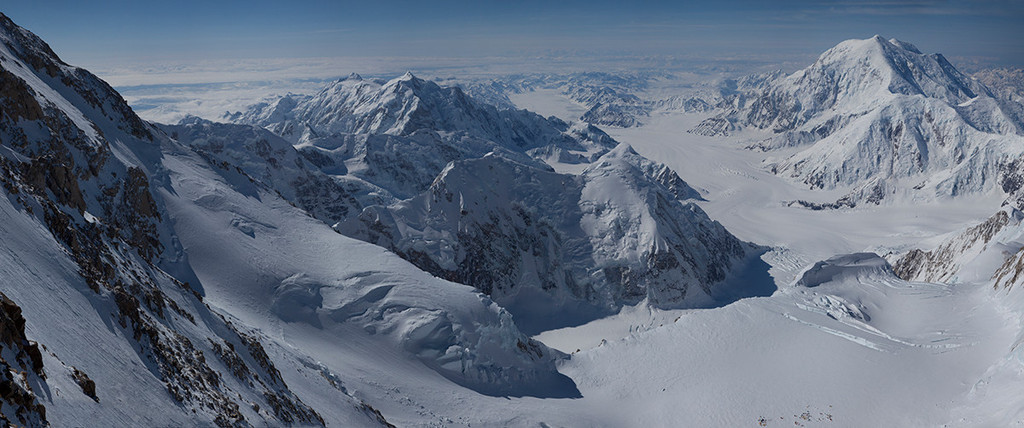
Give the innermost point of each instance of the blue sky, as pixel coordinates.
(95, 33)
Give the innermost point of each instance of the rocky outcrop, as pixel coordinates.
(943, 264)
(22, 377)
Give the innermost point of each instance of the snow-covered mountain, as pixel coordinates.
(126, 250)
(880, 118)
(401, 133)
(559, 248)
(1008, 83)
(554, 248)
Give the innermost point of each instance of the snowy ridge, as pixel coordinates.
(399, 134)
(616, 234)
(269, 160)
(615, 99)
(878, 112)
(408, 104)
(75, 92)
(103, 283)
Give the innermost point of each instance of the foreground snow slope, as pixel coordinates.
(864, 353)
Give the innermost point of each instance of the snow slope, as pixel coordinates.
(269, 160)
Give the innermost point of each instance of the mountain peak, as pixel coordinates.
(905, 46)
(620, 150)
(191, 119)
(408, 80)
(353, 77)
(860, 71)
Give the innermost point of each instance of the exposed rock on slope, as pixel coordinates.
(21, 370)
(944, 264)
(543, 243)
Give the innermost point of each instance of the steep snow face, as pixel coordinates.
(558, 249)
(991, 255)
(880, 118)
(858, 75)
(265, 158)
(398, 135)
(912, 145)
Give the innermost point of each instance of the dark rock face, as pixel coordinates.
(622, 116)
(82, 85)
(943, 262)
(21, 370)
(87, 385)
